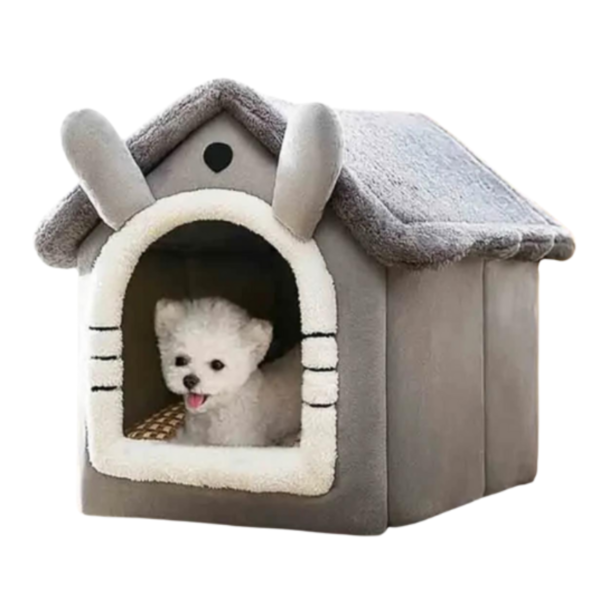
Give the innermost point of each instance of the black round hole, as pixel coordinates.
(218, 156)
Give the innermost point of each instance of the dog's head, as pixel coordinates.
(208, 348)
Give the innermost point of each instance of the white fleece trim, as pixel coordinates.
(320, 387)
(106, 373)
(319, 352)
(308, 469)
(105, 343)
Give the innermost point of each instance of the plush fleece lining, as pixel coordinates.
(305, 470)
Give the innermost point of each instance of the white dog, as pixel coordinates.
(210, 351)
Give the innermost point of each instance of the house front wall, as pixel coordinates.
(357, 503)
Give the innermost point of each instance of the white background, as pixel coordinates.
(516, 81)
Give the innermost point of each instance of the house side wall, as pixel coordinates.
(435, 390)
(511, 373)
(462, 384)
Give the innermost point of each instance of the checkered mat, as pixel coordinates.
(162, 425)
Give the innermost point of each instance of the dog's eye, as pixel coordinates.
(216, 365)
(181, 361)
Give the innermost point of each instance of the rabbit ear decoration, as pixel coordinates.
(309, 164)
(106, 170)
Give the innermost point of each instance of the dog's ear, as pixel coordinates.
(260, 334)
(166, 316)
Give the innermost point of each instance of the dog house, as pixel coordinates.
(413, 294)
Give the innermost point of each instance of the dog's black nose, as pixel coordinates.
(190, 381)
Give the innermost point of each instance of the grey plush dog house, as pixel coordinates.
(413, 293)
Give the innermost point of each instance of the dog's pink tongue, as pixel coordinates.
(196, 400)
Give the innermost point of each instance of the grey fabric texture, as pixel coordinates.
(357, 503)
(308, 168)
(511, 374)
(462, 384)
(435, 410)
(408, 192)
(252, 169)
(107, 172)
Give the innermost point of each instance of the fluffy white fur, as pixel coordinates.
(237, 403)
(308, 469)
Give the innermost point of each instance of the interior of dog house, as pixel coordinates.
(404, 269)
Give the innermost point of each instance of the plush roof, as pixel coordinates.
(408, 192)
